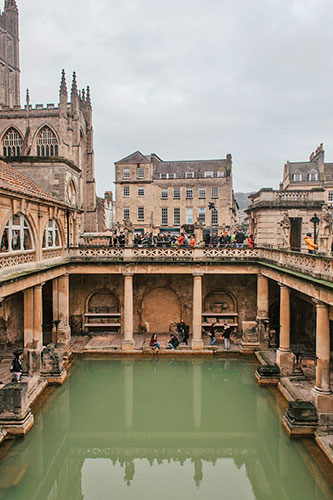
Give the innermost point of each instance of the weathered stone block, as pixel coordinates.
(301, 418)
(15, 414)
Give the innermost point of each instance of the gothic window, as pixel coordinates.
(47, 143)
(51, 236)
(12, 143)
(17, 235)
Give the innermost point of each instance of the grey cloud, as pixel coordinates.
(191, 79)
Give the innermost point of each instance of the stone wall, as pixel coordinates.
(11, 314)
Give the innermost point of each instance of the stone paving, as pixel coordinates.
(112, 343)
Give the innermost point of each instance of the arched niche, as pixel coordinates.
(220, 301)
(101, 302)
(160, 308)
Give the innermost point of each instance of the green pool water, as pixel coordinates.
(160, 429)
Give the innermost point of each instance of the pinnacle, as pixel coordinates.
(10, 4)
(74, 92)
(63, 86)
(88, 101)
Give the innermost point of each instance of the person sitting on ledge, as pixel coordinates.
(16, 367)
(310, 244)
(153, 342)
(173, 342)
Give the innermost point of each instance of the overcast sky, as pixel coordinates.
(190, 79)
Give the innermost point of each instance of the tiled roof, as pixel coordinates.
(180, 167)
(14, 181)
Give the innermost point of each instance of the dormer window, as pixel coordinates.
(313, 176)
(297, 177)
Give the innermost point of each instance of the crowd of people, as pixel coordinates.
(183, 331)
(236, 239)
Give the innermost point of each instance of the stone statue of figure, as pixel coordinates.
(286, 227)
(198, 231)
(128, 230)
(325, 230)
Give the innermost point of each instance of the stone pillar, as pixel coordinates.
(323, 349)
(38, 317)
(263, 309)
(64, 330)
(197, 342)
(28, 317)
(55, 309)
(284, 357)
(128, 342)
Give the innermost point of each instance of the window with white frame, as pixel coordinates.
(330, 196)
(126, 191)
(140, 173)
(12, 143)
(209, 173)
(126, 213)
(202, 214)
(51, 236)
(126, 173)
(164, 194)
(163, 176)
(176, 216)
(141, 213)
(164, 219)
(176, 194)
(215, 192)
(171, 176)
(189, 175)
(47, 142)
(17, 235)
(215, 217)
(189, 193)
(141, 192)
(297, 177)
(220, 173)
(202, 193)
(313, 176)
(189, 216)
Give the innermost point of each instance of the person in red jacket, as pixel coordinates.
(192, 241)
(181, 240)
(251, 241)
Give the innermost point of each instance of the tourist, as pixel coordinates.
(310, 244)
(181, 240)
(16, 367)
(192, 241)
(240, 237)
(173, 342)
(153, 342)
(184, 331)
(212, 330)
(121, 239)
(226, 336)
(207, 239)
(251, 241)
(214, 241)
(233, 239)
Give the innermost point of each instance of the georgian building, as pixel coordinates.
(168, 195)
(53, 143)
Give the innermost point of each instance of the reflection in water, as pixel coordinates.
(159, 429)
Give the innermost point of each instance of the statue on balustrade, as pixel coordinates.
(325, 230)
(285, 225)
(129, 232)
(198, 231)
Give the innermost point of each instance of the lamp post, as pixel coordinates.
(315, 221)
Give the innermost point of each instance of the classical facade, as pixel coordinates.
(157, 195)
(52, 144)
(303, 204)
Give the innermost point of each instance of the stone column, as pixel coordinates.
(128, 341)
(38, 317)
(284, 357)
(28, 317)
(64, 330)
(323, 349)
(263, 309)
(197, 342)
(55, 309)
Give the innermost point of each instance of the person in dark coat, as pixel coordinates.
(16, 367)
(173, 342)
(212, 331)
(226, 336)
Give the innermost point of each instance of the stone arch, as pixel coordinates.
(220, 301)
(159, 309)
(13, 149)
(30, 226)
(102, 301)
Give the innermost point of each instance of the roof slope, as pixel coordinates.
(136, 157)
(12, 180)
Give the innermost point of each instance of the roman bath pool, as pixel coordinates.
(161, 429)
